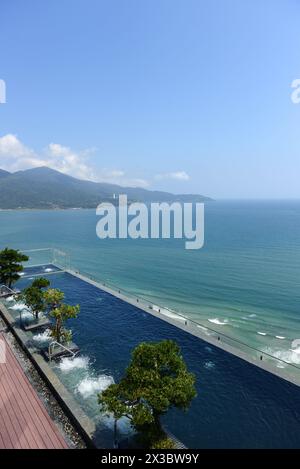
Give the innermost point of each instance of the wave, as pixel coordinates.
(289, 356)
(217, 321)
(262, 333)
(68, 364)
(168, 312)
(48, 270)
(89, 386)
(171, 315)
(279, 337)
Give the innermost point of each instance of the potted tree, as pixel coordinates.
(61, 314)
(53, 298)
(156, 380)
(11, 266)
(34, 298)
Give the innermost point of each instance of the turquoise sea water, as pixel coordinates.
(244, 282)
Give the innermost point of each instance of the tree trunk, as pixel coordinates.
(156, 417)
(115, 434)
(58, 330)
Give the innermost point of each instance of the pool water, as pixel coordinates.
(238, 405)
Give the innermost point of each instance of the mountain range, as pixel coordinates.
(45, 188)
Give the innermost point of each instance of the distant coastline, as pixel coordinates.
(46, 189)
(48, 209)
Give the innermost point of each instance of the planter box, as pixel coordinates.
(58, 352)
(36, 325)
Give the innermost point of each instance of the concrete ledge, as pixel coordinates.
(260, 359)
(36, 325)
(82, 423)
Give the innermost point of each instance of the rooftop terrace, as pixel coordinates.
(239, 403)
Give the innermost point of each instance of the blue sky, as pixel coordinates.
(186, 96)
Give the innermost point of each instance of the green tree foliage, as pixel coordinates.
(11, 266)
(40, 283)
(156, 380)
(60, 315)
(54, 298)
(34, 296)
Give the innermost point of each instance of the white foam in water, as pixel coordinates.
(26, 314)
(19, 307)
(217, 321)
(68, 364)
(21, 274)
(170, 314)
(289, 356)
(208, 365)
(10, 299)
(279, 337)
(89, 386)
(204, 330)
(42, 336)
(48, 269)
(262, 333)
(252, 316)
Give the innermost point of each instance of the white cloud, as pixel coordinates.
(65, 160)
(115, 176)
(15, 156)
(178, 175)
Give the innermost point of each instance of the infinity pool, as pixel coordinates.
(238, 405)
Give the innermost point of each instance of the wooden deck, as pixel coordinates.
(24, 421)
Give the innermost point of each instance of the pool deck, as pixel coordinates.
(24, 421)
(83, 425)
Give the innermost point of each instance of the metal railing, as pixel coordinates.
(6, 291)
(44, 256)
(54, 342)
(172, 316)
(191, 325)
